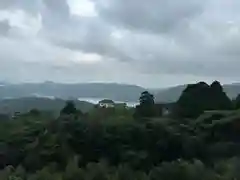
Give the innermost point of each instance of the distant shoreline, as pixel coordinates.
(96, 100)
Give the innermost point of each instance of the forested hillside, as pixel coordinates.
(26, 104)
(197, 139)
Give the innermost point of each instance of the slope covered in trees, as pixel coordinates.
(24, 105)
(116, 144)
(197, 98)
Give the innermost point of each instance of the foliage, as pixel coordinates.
(182, 170)
(197, 98)
(237, 102)
(109, 144)
(26, 104)
(69, 108)
(146, 107)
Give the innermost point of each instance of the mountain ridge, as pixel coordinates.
(25, 104)
(114, 91)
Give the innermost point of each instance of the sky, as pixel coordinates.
(153, 43)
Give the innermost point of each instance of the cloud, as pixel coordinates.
(54, 13)
(151, 15)
(117, 40)
(29, 6)
(4, 27)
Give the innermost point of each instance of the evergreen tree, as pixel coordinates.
(197, 98)
(219, 99)
(69, 108)
(237, 102)
(146, 108)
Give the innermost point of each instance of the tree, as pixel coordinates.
(146, 108)
(69, 108)
(197, 98)
(34, 112)
(237, 102)
(192, 100)
(219, 99)
(146, 98)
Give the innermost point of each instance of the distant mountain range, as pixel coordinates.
(23, 105)
(117, 92)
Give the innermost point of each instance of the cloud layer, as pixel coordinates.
(153, 43)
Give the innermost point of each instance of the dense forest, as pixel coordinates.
(195, 138)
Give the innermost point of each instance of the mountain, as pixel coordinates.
(172, 94)
(24, 105)
(169, 94)
(117, 92)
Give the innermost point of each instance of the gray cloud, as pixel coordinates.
(151, 15)
(29, 6)
(137, 41)
(55, 13)
(4, 27)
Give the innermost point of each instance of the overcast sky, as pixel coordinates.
(152, 43)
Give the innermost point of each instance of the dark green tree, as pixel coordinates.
(237, 102)
(197, 98)
(191, 102)
(34, 112)
(69, 108)
(146, 107)
(219, 99)
(146, 98)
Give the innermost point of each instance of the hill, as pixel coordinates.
(172, 94)
(169, 94)
(44, 104)
(117, 92)
(114, 91)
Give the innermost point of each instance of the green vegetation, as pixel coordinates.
(172, 94)
(119, 143)
(146, 107)
(69, 108)
(24, 105)
(197, 98)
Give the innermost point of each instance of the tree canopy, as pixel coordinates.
(197, 98)
(112, 144)
(146, 107)
(69, 108)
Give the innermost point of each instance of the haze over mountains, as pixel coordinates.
(117, 92)
(23, 105)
